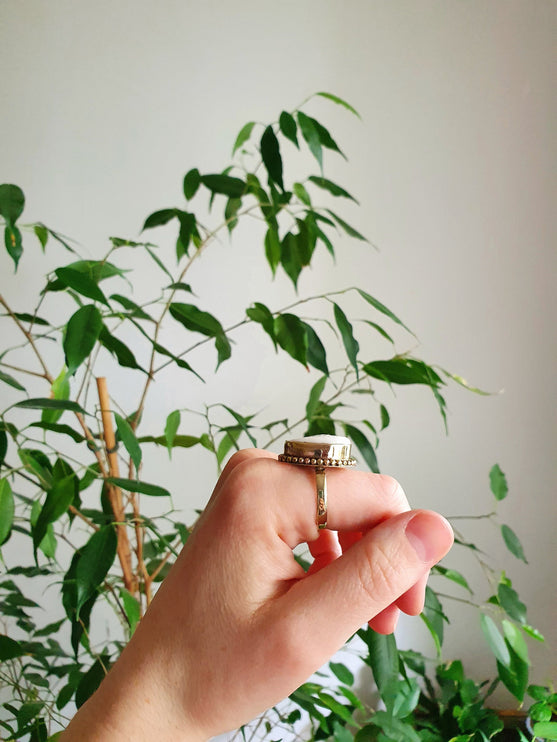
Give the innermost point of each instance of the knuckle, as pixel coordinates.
(378, 574)
(393, 492)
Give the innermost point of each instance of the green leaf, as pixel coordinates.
(188, 231)
(243, 422)
(170, 429)
(288, 127)
(60, 389)
(10, 648)
(127, 436)
(315, 396)
(498, 482)
(301, 194)
(350, 231)
(515, 639)
(232, 207)
(453, 575)
(532, 632)
(270, 152)
(134, 485)
(243, 136)
(351, 345)
(3, 446)
(511, 603)
(495, 640)
(42, 234)
(514, 676)
(316, 353)
(45, 403)
(91, 680)
(134, 309)
(132, 609)
(376, 304)
(95, 560)
(382, 657)
(363, 445)
(433, 611)
(333, 188)
(82, 332)
(513, 543)
(13, 243)
(545, 730)
(7, 379)
(272, 249)
(225, 184)
(291, 335)
(196, 320)
(81, 283)
(340, 102)
(342, 673)
(12, 202)
(57, 502)
(263, 316)
(311, 135)
(158, 218)
(403, 371)
(6, 510)
(339, 709)
(192, 180)
(118, 349)
(179, 441)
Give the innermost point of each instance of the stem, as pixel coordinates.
(114, 493)
(24, 370)
(29, 337)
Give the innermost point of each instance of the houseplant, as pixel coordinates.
(72, 458)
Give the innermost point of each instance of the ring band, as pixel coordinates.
(321, 453)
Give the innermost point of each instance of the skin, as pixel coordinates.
(237, 624)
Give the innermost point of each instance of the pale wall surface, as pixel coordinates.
(106, 105)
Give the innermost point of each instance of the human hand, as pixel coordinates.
(237, 625)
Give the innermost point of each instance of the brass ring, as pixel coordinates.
(321, 452)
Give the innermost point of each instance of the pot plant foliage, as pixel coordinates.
(72, 493)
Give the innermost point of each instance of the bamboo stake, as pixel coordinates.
(114, 493)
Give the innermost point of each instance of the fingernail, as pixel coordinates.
(430, 534)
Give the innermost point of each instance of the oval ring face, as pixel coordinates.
(318, 451)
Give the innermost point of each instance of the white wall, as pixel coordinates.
(106, 105)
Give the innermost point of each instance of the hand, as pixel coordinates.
(237, 625)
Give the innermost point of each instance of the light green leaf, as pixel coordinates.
(127, 436)
(301, 193)
(179, 441)
(515, 638)
(171, 428)
(545, 730)
(382, 657)
(7, 379)
(134, 485)
(131, 608)
(513, 543)
(376, 304)
(350, 231)
(82, 332)
(6, 510)
(495, 640)
(351, 345)
(243, 136)
(498, 482)
(340, 102)
(453, 575)
(60, 389)
(342, 673)
(315, 396)
(42, 234)
(272, 249)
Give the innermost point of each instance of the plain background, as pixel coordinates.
(105, 105)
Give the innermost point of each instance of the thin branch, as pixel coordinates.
(30, 339)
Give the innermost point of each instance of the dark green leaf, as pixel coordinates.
(316, 353)
(311, 135)
(132, 609)
(127, 436)
(351, 345)
(3, 446)
(131, 306)
(513, 543)
(495, 640)
(288, 127)
(515, 639)
(498, 482)
(382, 657)
(7, 379)
(134, 485)
(333, 188)
(515, 675)
(232, 207)
(270, 152)
(227, 442)
(262, 315)
(158, 218)
(188, 231)
(385, 419)
(91, 680)
(10, 649)
(325, 138)
(243, 136)
(31, 318)
(42, 403)
(198, 321)
(433, 612)
(350, 231)
(291, 335)
(97, 270)
(12, 202)
(95, 560)
(60, 389)
(119, 350)
(82, 332)
(13, 243)
(171, 428)
(57, 502)
(272, 249)
(81, 283)
(340, 102)
(511, 603)
(363, 445)
(6, 510)
(315, 396)
(192, 179)
(179, 441)
(225, 184)
(403, 371)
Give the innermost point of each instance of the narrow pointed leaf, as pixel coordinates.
(347, 227)
(316, 353)
(127, 436)
(351, 345)
(10, 381)
(171, 428)
(270, 152)
(331, 187)
(60, 389)
(142, 488)
(6, 510)
(45, 403)
(57, 502)
(272, 249)
(196, 320)
(243, 136)
(340, 102)
(511, 603)
(376, 304)
(119, 350)
(310, 134)
(315, 396)
(301, 193)
(288, 127)
(513, 543)
(363, 445)
(94, 562)
(61, 429)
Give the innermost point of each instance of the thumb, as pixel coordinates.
(327, 607)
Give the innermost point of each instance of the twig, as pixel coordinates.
(29, 337)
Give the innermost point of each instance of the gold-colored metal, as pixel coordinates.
(321, 454)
